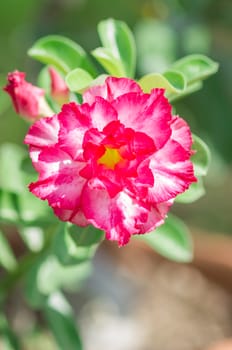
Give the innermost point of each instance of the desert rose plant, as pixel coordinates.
(110, 157)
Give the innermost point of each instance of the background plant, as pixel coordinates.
(11, 209)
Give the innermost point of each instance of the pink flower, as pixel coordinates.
(59, 89)
(28, 100)
(117, 161)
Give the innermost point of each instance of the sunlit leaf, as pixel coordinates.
(118, 39)
(195, 192)
(201, 158)
(171, 240)
(111, 64)
(78, 80)
(187, 91)
(173, 82)
(196, 67)
(60, 318)
(62, 53)
(7, 258)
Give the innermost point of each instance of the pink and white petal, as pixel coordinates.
(156, 217)
(181, 132)
(96, 206)
(53, 161)
(111, 89)
(158, 110)
(126, 213)
(150, 114)
(120, 86)
(90, 94)
(172, 152)
(170, 180)
(73, 124)
(117, 216)
(44, 132)
(101, 113)
(63, 190)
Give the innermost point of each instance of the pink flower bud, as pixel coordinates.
(59, 89)
(28, 100)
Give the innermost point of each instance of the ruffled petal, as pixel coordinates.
(181, 132)
(101, 113)
(117, 216)
(73, 125)
(111, 89)
(63, 189)
(150, 114)
(43, 132)
(156, 217)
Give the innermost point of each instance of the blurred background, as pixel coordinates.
(165, 30)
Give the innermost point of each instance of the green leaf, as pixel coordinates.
(118, 39)
(85, 236)
(78, 80)
(33, 237)
(34, 210)
(73, 244)
(196, 67)
(171, 240)
(176, 79)
(7, 258)
(47, 275)
(11, 178)
(8, 338)
(201, 158)
(53, 276)
(8, 210)
(43, 80)
(173, 82)
(63, 53)
(33, 293)
(195, 192)
(110, 63)
(60, 318)
(188, 90)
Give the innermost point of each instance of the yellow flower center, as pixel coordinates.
(110, 158)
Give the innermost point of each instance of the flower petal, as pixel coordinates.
(44, 132)
(73, 125)
(62, 189)
(111, 89)
(181, 132)
(146, 113)
(117, 216)
(101, 113)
